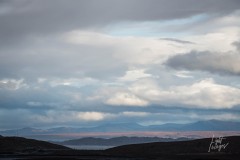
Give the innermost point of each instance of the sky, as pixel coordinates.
(89, 62)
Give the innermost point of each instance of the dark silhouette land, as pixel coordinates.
(22, 148)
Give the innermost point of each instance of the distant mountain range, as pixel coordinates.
(211, 125)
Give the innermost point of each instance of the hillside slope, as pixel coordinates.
(159, 149)
(18, 144)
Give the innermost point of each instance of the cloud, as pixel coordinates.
(53, 116)
(93, 116)
(135, 114)
(110, 53)
(205, 94)
(237, 45)
(74, 82)
(128, 50)
(15, 118)
(126, 99)
(99, 56)
(52, 57)
(19, 118)
(42, 104)
(221, 63)
(12, 84)
(94, 14)
(177, 40)
(133, 75)
(183, 74)
(34, 104)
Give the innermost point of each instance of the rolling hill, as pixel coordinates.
(22, 148)
(20, 144)
(183, 148)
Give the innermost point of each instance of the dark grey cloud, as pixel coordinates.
(177, 40)
(237, 45)
(25, 17)
(221, 63)
(49, 57)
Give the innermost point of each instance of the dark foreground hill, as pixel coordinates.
(189, 150)
(19, 144)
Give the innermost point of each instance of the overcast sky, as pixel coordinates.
(88, 62)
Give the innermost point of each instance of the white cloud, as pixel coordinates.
(75, 82)
(53, 116)
(126, 99)
(128, 49)
(12, 84)
(202, 94)
(219, 40)
(89, 38)
(207, 93)
(93, 116)
(147, 88)
(183, 74)
(41, 80)
(133, 75)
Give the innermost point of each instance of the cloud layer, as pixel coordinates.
(222, 63)
(92, 62)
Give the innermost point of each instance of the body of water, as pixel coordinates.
(89, 147)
